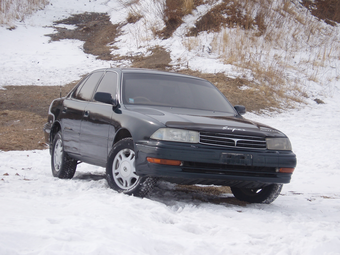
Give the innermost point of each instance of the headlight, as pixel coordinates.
(176, 135)
(280, 144)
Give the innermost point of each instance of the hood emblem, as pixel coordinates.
(232, 129)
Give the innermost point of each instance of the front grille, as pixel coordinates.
(233, 140)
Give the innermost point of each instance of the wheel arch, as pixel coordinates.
(56, 127)
(121, 134)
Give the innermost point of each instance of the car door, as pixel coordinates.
(96, 124)
(73, 112)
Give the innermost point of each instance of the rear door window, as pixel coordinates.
(85, 92)
(108, 84)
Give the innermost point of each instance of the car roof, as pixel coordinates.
(144, 70)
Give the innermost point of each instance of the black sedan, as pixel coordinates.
(144, 125)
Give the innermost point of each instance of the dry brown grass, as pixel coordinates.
(191, 43)
(12, 10)
(174, 11)
(133, 15)
(256, 98)
(264, 37)
(187, 6)
(237, 13)
(173, 14)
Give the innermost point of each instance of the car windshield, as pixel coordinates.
(173, 91)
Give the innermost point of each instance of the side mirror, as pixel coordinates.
(240, 109)
(105, 98)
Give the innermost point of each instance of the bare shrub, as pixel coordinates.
(133, 15)
(260, 22)
(173, 14)
(191, 43)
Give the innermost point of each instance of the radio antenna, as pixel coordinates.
(60, 88)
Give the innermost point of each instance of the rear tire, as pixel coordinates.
(265, 195)
(62, 165)
(121, 172)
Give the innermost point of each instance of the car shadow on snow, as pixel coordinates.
(89, 176)
(170, 194)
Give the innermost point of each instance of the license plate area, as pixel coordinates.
(237, 159)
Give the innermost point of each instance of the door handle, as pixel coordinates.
(86, 114)
(65, 109)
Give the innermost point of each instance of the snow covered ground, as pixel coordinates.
(43, 215)
(40, 214)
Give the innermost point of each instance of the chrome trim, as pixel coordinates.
(233, 140)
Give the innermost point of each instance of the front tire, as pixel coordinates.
(121, 172)
(62, 165)
(265, 195)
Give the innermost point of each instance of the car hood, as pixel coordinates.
(206, 121)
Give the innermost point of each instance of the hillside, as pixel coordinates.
(266, 55)
(285, 49)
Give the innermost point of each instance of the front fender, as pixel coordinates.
(127, 123)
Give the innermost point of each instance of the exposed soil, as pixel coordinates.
(95, 29)
(23, 112)
(159, 59)
(327, 10)
(225, 14)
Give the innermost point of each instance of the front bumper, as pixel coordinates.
(203, 164)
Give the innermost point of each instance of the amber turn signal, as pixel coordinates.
(164, 161)
(286, 170)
